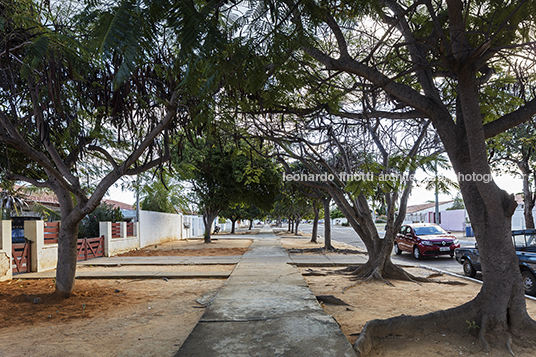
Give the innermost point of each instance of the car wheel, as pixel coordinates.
(397, 249)
(529, 282)
(468, 269)
(417, 253)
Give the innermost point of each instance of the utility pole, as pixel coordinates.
(436, 197)
(138, 198)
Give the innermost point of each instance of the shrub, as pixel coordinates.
(89, 227)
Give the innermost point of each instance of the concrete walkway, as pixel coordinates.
(265, 309)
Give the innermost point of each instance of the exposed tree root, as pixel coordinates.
(454, 320)
(368, 272)
(509, 345)
(482, 333)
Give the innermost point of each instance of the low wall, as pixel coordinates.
(121, 244)
(158, 227)
(44, 256)
(5, 251)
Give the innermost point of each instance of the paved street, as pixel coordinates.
(349, 236)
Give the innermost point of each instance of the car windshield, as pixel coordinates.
(424, 231)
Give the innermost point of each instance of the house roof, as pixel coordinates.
(422, 207)
(121, 205)
(50, 199)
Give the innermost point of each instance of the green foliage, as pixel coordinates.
(292, 202)
(163, 195)
(225, 175)
(89, 226)
(458, 203)
(336, 213)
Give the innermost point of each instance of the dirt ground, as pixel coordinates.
(377, 300)
(103, 318)
(193, 247)
(153, 317)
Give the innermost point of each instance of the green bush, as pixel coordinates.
(345, 224)
(89, 227)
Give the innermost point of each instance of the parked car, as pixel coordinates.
(17, 235)
(425, 239)
(525, 244)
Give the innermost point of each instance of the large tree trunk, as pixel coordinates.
(67, 241)
(233, 223)
(67, 256)
(208, 217)
(499, 309)
(327, 226)
(314, 233)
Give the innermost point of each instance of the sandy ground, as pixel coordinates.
(194, 247)
(154, 317)
(376, 300)
(103, 318)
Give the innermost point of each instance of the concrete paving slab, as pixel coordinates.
(314, 335)
(265, 308)
(163, 260)
(327, 260)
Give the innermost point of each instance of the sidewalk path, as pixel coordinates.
(265, 309)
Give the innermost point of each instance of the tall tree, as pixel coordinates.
(422, 60)
(514, 152)
(353, 165)
(91, 94)
(223, 173)
(435, 59)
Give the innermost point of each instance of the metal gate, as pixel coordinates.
(21, 257)
(90, 248)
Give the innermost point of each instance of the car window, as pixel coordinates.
(423, 231)
(531, 240)
(408, 229)
(402, 229)
(519, 240)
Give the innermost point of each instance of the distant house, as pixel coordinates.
(50, 201)
(128, 211)
(425, 213)
(455, 220)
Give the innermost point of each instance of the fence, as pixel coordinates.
(42, 253)
(119, 237)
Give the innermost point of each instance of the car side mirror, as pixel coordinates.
(449, 232)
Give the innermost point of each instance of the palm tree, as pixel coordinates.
(12, 199)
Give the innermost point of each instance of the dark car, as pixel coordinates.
(525, 244)
(425, 239)
(17, 235)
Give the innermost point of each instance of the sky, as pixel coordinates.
(419, 195)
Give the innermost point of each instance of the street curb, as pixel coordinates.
(464, 277)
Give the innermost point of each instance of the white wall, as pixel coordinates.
(518, 219)
(453, 220)
(157, 227)
(5, 250)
